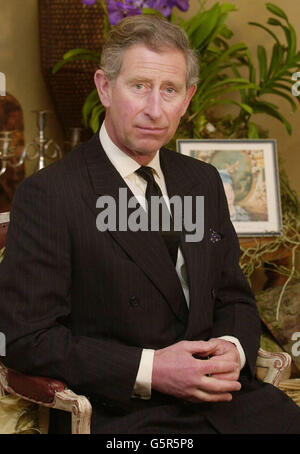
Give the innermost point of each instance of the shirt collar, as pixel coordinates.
(123, 163)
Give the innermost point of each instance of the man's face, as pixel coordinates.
(145, 102)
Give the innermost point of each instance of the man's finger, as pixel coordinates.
(197, 346)
(227, 376)
(202, 396)
(200, 349)
(216, 385)
(211, 367)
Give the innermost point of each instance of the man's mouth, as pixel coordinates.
(151, 130)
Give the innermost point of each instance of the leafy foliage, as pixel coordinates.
(221, 66)
(274, 75)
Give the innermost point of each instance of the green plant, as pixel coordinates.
(274, 76)
(220, 74)
(208, 33)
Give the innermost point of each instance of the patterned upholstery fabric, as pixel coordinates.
(18, 416)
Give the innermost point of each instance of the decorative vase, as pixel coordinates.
(11, 119)
(65, 25)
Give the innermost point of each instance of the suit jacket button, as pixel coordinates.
(134, 301)
(213, 292)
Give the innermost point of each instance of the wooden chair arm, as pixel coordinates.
(49, 393)
(273, 367)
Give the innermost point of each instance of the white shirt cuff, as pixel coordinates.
(142, 387)
(236, 342)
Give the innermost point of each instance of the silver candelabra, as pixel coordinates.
(39, 149)
(7, 152)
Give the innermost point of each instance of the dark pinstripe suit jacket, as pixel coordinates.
(79, 305)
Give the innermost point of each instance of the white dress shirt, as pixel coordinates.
(126, 166)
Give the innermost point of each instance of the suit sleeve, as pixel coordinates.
(35, 282)
(235, 312)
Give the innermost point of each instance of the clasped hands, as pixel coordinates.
(183, 370)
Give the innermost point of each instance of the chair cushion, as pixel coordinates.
(40, 389)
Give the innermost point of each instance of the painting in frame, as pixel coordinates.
(249, 172)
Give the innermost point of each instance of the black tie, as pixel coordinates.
(170, 237)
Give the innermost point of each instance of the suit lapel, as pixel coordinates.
(179, 181)
(145, 248)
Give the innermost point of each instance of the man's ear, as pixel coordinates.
(189, 94)
(103, 87)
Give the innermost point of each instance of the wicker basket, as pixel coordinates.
(65, 25)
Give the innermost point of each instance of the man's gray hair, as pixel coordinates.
(154, 32)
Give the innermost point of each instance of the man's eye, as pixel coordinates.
(170, 90)
(139, 86)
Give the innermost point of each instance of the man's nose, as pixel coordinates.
(153, 106)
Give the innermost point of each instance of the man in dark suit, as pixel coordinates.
(159, 332)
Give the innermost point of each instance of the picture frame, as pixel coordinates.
(249, 172)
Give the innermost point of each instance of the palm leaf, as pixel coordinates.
(79, 51)
(253, 132)
(292, 42)
(95, 117)
(90, 102)
(283, 95)
(267, 30)
(243, 106)
(276, 59)
(270, 109)
(277, 11)
(205, 28)
(262, 59)
(86, 57)
(275, 22)
(212, 69)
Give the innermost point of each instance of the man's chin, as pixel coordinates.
(150, 146)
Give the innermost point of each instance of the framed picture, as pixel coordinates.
(249, 172)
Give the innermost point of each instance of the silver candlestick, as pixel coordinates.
(7, 152)
(41, 147)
